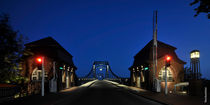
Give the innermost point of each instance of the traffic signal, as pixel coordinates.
(168, 60)
(61, 68)
(39, 63)
(146, 68)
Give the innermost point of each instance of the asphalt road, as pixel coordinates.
(105, 93)
(92, 93)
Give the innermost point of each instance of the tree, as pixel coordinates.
(204, 7)
(11, 49)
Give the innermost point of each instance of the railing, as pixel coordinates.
(7, 91)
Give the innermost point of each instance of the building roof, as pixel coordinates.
(52, 48)
(149, 45)
(145, 54)
(48, 41)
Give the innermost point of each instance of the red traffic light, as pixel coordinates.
(39, 60)
(168, 58)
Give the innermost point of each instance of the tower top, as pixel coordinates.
(195, 54)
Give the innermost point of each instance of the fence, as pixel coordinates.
(7, 90)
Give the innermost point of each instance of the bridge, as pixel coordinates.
(101, 70)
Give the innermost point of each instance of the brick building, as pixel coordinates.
(59, 67)
(142, 69)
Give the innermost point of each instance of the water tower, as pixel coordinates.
(195, 64)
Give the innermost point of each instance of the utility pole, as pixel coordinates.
(43, 76)
(154, 49)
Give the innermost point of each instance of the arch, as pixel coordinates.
(37, 75)
(161, 74)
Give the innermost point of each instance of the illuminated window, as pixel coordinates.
(161, 75)
(195, 54)
(37, 75)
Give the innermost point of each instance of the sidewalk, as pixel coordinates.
(48, 99)
(170, 99)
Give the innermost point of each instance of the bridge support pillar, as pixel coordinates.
(94, 70)
(138, 79)
(107, 71)
(133, 78)
(72, 77)
(67, 77)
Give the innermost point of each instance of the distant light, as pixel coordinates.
(61, 68)
(184, 92)
(146, 68)
(100, 69)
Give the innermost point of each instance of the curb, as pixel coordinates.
(5, 99)
(134, 92)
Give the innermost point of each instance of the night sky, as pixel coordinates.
(112, 30)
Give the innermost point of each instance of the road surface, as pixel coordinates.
(99, 92)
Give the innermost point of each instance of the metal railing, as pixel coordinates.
(8, 91)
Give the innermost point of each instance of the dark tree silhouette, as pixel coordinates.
(11, 48)
(204, 7)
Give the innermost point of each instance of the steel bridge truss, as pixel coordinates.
(101, 70)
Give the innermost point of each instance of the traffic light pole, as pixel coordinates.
(167, 61)
(166, 88)
(43, 76)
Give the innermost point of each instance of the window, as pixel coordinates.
(37, 75)
(161, 75)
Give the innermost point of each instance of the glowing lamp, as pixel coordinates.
(168, 58)
(195, 54)
(61, 68)
(146, 68)
(39, 60)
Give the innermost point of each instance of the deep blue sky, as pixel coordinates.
(113, 30)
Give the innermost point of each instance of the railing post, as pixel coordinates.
(205, 96)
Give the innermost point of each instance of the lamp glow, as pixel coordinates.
(168, 58)
(39, 60)
(195, 54)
